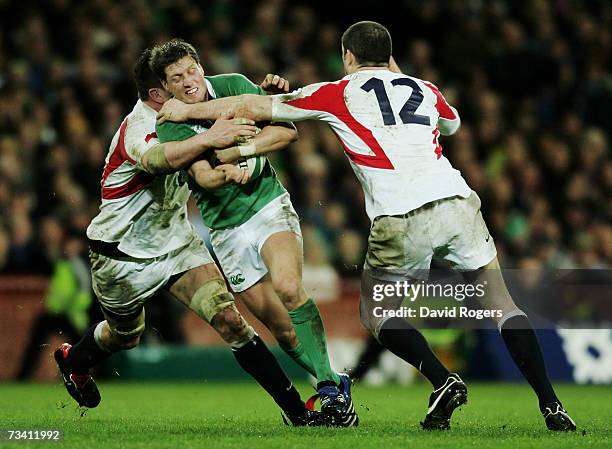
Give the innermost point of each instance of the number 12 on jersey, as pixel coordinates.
(407, 113)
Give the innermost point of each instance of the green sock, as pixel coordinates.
(309, 329)
(301, 358)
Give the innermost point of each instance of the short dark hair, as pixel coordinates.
(167, 54)
(144, 78)
(370, 43)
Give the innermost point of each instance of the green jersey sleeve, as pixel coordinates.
(231, 84)
(171, 131)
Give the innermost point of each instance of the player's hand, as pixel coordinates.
(228, 155)
(227, 131)
(173, 110)
(275, 84)
(234, 174)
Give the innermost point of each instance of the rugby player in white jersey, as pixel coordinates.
(420, 206)
(142, 241)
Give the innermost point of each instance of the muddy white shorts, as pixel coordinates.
(239, 249)
(450, 229)
(123, 284)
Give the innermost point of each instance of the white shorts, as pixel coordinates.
(450, 229)
(239, 249)
(123, 284)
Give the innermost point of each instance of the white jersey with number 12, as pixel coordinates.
(388, 124)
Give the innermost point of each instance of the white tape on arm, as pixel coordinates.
(248, 150)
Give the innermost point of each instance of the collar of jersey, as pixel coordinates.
(210, 89)
(359, 72)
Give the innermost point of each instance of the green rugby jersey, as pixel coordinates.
(232, 204)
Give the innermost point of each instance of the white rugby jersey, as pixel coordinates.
(145, 214)
(388, 124)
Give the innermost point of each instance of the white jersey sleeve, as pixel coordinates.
(448, 122)
(139, 137)
(306, 103)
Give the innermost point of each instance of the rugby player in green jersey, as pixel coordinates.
(142, 242)
(255, 231)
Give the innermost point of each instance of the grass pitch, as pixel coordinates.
(218, 416)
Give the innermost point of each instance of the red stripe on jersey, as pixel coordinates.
(148, 137)
(139, 181)
(330, 98)
(438, 149)
(118, 157)
(442, 105)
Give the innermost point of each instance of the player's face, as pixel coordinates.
(185, 80)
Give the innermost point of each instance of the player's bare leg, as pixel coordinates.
(204, 291)
(522, 343)
(263, 302)
(282, 254)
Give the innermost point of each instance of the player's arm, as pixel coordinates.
(449, 126)
(273, 137)
(169, 157)
(239, 99)
(212, 178)
(449, 121)
(254, 107)
(180, 145)
(313, 102)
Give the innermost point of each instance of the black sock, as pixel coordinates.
(369, 357)
(257, 360)
(403, 340)
(523, 345)
(86, 353)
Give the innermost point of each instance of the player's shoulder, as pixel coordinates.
(324, 87)
(424, 82)
(171, 131)
(228, 84)
(141, 117)
(227, 78)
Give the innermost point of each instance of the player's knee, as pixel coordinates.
(288, 289)
(230, 324)
(120, 342)
(285, 337)
(211, 299)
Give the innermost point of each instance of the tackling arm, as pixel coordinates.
(169, 157)
(181, 145)
(255, 107)
(273, 137)
(449, 121)
(212, 178)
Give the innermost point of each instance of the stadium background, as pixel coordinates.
(532, 81)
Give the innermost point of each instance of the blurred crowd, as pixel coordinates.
(531, 80)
